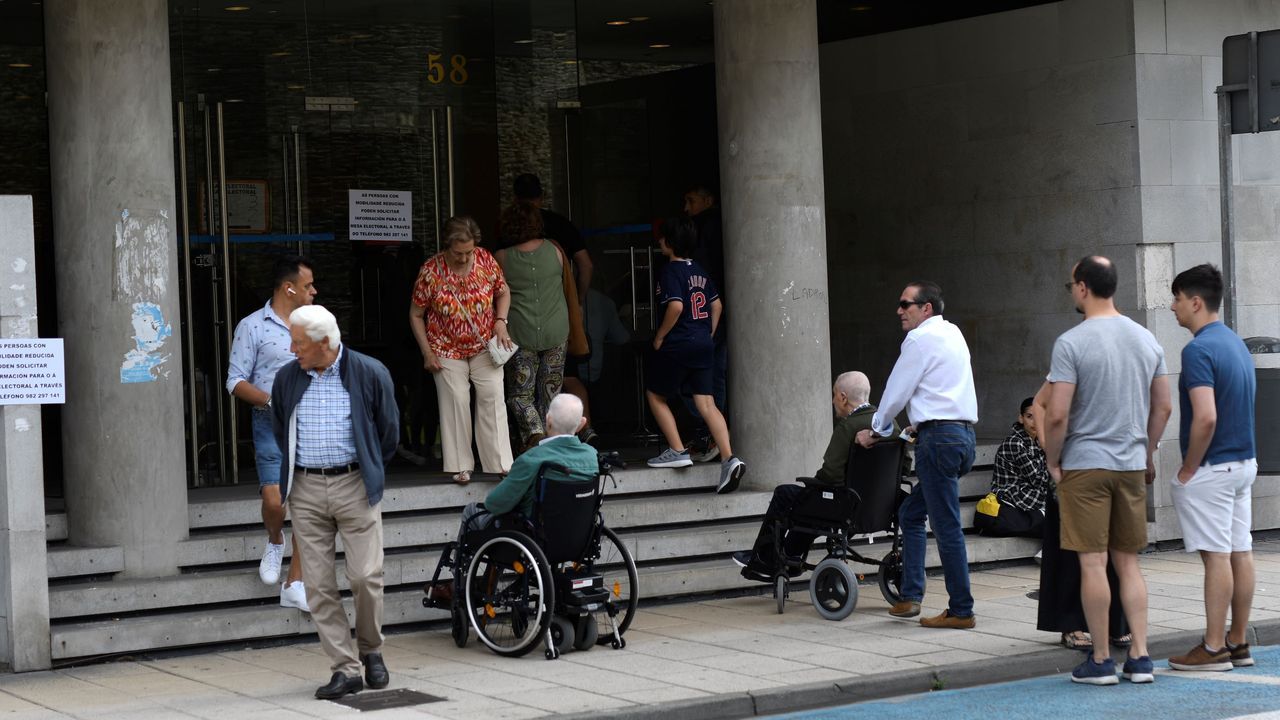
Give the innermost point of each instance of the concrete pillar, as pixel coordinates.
(24, 576)
(773, 205)
(111, 155)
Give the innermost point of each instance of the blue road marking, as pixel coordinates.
(1202, 696)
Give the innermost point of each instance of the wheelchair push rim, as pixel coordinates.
(618, 569)
(509, 595)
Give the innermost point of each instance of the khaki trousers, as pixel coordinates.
(453, 388)
(324, 507)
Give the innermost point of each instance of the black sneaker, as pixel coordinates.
(704, 451)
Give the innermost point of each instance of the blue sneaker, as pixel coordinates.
(1103, 673)
(1139, 670)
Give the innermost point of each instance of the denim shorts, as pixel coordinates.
(266, 453)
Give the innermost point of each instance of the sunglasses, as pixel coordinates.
(904, 304)
(1070, 285)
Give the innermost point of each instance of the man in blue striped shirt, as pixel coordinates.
(259, 350)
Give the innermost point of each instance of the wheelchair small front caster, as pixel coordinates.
(618, 644)
(552, 653)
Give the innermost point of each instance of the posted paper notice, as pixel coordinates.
(385, 215)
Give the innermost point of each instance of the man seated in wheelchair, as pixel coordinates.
(849, 397)
(514, 496)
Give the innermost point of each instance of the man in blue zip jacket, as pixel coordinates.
(334, 414)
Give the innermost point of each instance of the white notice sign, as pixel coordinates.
(380, 215)
(31, 372)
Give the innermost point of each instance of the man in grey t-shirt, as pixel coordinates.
(1108, 402)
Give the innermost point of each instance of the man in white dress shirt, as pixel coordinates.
(933, 380)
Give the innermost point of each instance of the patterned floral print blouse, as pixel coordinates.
(452, 331)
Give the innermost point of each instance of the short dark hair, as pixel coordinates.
(681, 235)
(702, 189)
(520, 222)
(287, 268)
(527, 187)
(1202, 281)
(928, 292)
(1025, 404)
(1098, 275)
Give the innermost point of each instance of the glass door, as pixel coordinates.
(258, 183)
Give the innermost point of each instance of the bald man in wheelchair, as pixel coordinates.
(849, 397)
(515, 494)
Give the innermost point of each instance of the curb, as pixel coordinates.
(792, 698)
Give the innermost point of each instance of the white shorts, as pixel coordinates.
(1215, 507)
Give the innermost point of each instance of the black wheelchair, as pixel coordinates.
(560, 576)
(866, 505)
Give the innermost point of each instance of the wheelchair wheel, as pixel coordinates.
(562, 634)
(459, 628)
(891, 577)
(833, 589)
(780, 592)
(620, 578)
(509, 593)
(586, 633)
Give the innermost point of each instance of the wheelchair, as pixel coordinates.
(561, 576)
(867, 504)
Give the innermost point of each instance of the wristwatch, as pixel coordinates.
(502, 319)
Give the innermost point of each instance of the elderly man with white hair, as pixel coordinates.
(849, 397)
(514, 494)
(334, 413)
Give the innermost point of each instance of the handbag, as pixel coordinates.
(577, 345)
(500, 355)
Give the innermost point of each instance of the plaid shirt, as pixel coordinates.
(1021, 475)
(325, 438)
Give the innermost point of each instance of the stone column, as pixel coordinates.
(24, 576)
(112, 160)
(773, 205)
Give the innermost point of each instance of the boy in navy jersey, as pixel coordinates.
(684, 352)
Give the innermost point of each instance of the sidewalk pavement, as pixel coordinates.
(728, 657)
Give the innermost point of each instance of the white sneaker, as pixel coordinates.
(294, 596)
(269, 568)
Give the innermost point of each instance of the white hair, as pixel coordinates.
(854, 384)
(317, 323)
(564, 414)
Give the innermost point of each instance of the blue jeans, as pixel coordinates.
(943, 454)
(266, 455)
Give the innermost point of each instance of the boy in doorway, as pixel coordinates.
(683, 352)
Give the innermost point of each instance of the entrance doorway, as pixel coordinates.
(257, 183)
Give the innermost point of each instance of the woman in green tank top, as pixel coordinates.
(538, 319)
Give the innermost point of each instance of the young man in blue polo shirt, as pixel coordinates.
(684, 352)
(1212, 490)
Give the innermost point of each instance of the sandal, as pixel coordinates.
(463, 477)
(1078, 640)
(1123, 641)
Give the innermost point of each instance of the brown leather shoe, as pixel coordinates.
(947, 620)
(905, 609)
(441, 592)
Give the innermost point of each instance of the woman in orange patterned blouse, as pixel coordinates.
(464, 299)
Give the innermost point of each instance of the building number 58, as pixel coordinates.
(457, 69)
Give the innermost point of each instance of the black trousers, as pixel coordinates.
(796, 543)
(1060, 609)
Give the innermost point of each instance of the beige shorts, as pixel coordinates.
(1103, 509)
